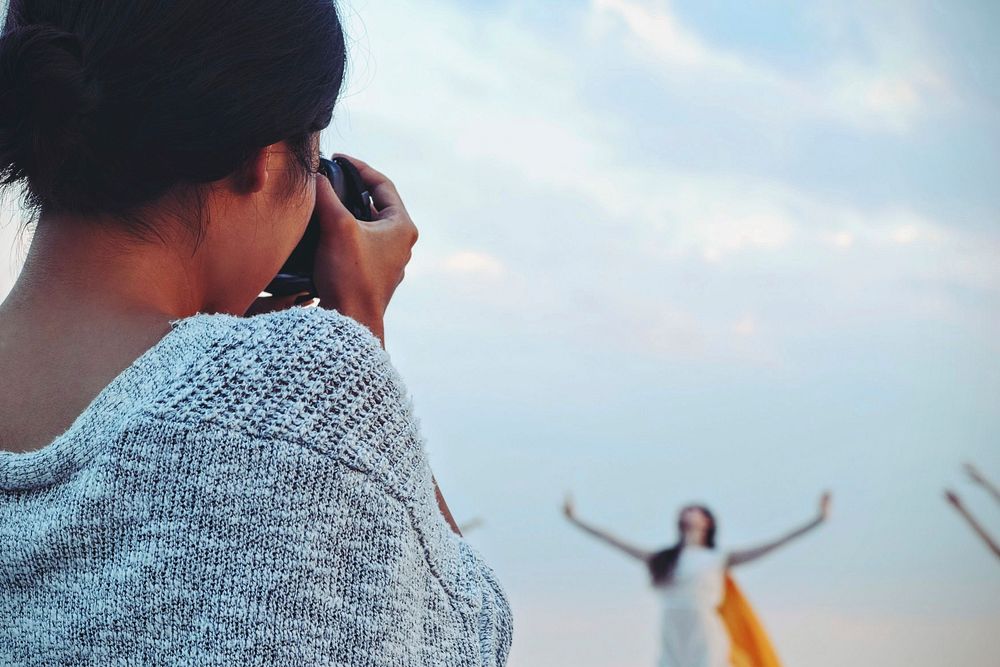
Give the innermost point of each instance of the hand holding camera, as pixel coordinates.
(355, 248)
(359, 263)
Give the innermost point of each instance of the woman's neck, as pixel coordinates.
(70, 265)
(694, 539)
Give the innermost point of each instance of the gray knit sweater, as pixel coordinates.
(250, 491)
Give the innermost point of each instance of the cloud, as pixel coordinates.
(510, 159)
(885, 95)
(746, 326)
(841, 239)
(662, 32)
(470, 262)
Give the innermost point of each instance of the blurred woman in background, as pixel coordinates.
(706, 622)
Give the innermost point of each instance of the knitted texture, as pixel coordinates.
(250, 491)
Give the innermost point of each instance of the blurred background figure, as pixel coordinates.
(953, 498)
(706, 622)
(977, 477)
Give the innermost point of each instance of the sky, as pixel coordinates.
(728, 252)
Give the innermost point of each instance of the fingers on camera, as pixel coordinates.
(383, 190)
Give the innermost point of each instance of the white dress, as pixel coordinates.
(692, 632)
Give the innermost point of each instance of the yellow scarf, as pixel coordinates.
(750, 645)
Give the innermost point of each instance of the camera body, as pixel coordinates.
(296, 275)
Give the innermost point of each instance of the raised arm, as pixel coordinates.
(981, 480)
(957, 504)
(747, 555)
(635, 552)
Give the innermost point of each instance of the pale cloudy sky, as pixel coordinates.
(705, 250)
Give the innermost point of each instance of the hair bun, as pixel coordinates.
(46, 95)
(42, 70)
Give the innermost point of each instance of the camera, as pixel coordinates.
(296, 275)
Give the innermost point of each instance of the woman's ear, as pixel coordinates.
(255, 176)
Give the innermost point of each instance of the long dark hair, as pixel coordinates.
(663, 563)
(105, 107)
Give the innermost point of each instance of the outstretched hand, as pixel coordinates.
(824, 506)
(568, 508)
(974, 474)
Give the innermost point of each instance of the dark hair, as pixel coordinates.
(107, 107)
(663, 563)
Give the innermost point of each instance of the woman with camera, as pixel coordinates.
(190, 474)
